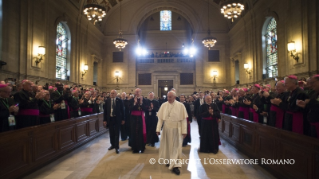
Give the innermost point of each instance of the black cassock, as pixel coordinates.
(125, 128)
(46, 109)
(74, 107)
(28, 109)
(209, 140)
(276, 114)
(86, 107)
(253, 114)
(58, 97)
(313, 115)
(4, 114)
(96, 107)
(137, 138)
(293, 120)
(189, 119)
(151, 121)
(243, 109)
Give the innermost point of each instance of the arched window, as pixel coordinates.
(61, 52)
(271, 49)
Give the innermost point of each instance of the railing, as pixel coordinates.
(27, 149)
(165, 60)
(263, 142)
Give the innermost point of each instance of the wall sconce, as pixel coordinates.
(117, 76)
(292, 50)
(41, 53)
(247, 69)
(85, 69)
(213, 74)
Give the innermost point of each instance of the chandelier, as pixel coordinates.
(209, 41)
(94, 11)
(232, 9)
(120, 43)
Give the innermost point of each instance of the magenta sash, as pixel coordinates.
(245, 111)
(233, 111)
(223, 108)
(188, 128)
(297, 122)
(141, 113)
(279, 115)
(255, 115)
(28, 112)
(316, 124)
(211, 118)
(87, 110)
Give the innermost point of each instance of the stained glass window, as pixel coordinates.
(166, 20)
(271, 45)
(61, 52)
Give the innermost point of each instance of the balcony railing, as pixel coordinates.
(165, 60)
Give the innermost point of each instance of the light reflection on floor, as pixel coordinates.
(94, 161)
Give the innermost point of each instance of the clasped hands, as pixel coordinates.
(135, 100)
(276, 101)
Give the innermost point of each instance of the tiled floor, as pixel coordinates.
(93, 161)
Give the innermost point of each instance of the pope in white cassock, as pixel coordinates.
(173, 114)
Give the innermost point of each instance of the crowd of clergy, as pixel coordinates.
(291, 105)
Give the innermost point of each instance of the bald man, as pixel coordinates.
(28, 106)
(173, 114)
(7, 109)
(138, 107)
(293, 120)
(277, 113)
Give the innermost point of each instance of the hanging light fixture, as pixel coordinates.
(209, 41)
(94, 11)
(231, 8)
(119, 42)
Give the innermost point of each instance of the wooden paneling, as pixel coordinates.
(92, 127)
(235, 133)
(260, 141)
(82, 132)
(67, 136)
(25, 150)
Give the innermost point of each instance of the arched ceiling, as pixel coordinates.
(143, 8)
(138, 11)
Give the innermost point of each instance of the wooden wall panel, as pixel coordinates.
(44, 145)
(24, 150)
(92, 127)
(235, 132)
(260, 141)
(67, 136)
(14, 155)
(299, 169)
(82, 131)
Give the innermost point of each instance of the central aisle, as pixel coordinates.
(94, 161)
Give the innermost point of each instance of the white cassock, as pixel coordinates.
(175, 124)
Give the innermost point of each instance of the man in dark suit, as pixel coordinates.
(114, 117)
(200, 101)
(151, 119)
